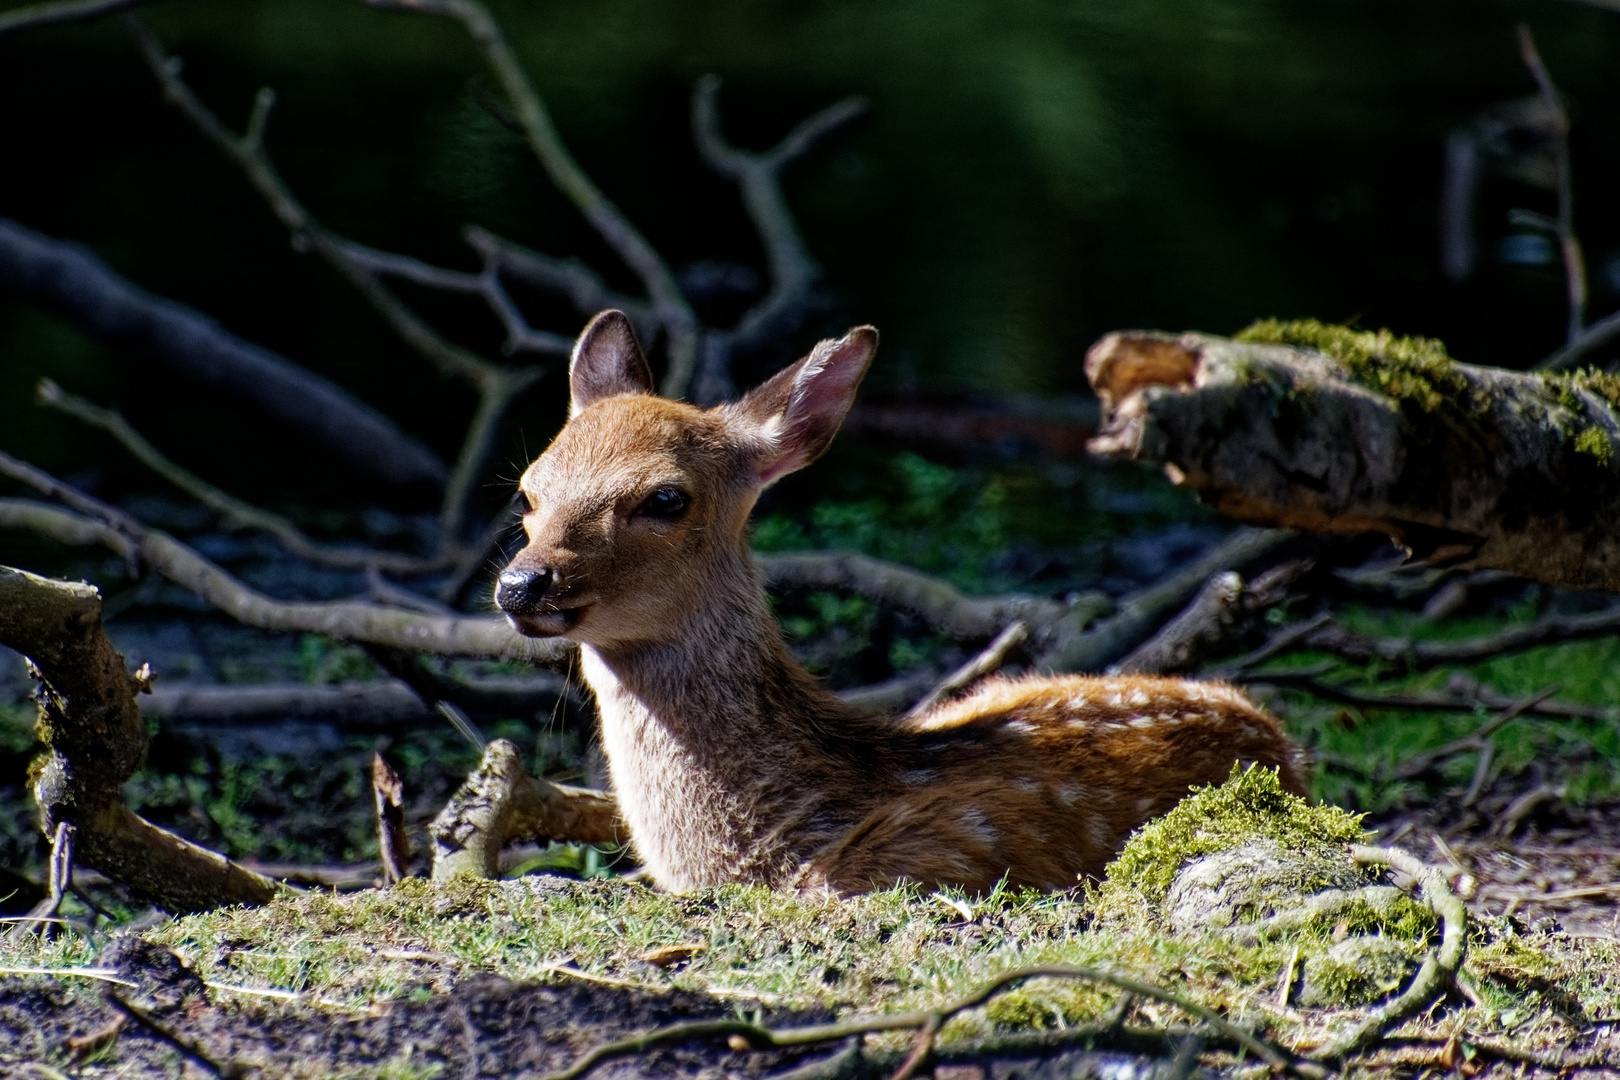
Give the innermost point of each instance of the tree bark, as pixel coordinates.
(94, 738)
(1461, 464)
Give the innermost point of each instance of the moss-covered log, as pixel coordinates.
(94, 738)
(1334, 431)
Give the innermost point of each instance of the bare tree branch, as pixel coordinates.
(987, 661)
(501, 803)
(674, 313)
(1210, 627)
(366, 269)
(1073, 644)
(1469, 465)
(932, 598)
(1402, 655)
(1600, 335)
(583, 286)
(1569, 245)
(60, 11)
(344, 620)
(1468, 700)
(237, 513)
(759, 179)
(69, 280)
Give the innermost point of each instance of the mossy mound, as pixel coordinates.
(1415, 369)
(1251, 805)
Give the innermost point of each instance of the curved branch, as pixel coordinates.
(1439, 968)
(236, 512)
(929, 1020)
(500, 803)
(934, 599)
(1403, 655)
(366, 268)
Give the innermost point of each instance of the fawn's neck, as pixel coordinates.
(729, 761)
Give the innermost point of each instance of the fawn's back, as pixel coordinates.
(729, 761)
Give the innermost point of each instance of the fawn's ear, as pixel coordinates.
(796, 413)
(606, 361)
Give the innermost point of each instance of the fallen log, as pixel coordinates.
(1329, 430)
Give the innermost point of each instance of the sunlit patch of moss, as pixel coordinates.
(1564, 384)
(1250, 805)
(1357, 971)
(1595, 442)
(1049, 1003)
(1414, 369)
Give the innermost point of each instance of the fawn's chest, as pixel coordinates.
(706, 800)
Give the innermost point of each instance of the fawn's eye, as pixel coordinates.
(666, 503)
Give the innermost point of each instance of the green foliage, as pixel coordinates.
(1564, 384)
(1411, 369)
(1359, 748)
(1250, 805)
(17, 721)
(1595, 442)
(321, 660)
(943, 520)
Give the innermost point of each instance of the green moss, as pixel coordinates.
(1564, 384)
(1250, 805)
(1411, 369)
(1595, 441)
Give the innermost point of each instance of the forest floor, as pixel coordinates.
(415, 982)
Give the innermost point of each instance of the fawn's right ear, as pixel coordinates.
(606, 361)
(795, 413)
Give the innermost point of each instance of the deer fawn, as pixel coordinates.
(729, 761)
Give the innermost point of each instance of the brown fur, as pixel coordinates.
(730, 762)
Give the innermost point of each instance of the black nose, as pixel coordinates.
(519, 592)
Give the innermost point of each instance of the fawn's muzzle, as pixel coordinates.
(520, 592)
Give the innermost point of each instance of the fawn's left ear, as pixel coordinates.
(606, 361)
(796, 413)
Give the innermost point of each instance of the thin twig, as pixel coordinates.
(60, 880)
(1425, 762)
(472, 636)
(393, 842)
(759, 179)
(991, 658)
(53, 14)
(1601, 334)
(365, 268)
(670, 306)
(1401, 656)
(1309, 680)
(1569, 244)
(237, 512)
(760, 1036)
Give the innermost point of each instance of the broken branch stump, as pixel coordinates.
(502, 804)
(1472, 465)
(94, 738)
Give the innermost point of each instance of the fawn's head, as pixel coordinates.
(637, 511)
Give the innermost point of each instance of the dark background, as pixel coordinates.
(1031, 175)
